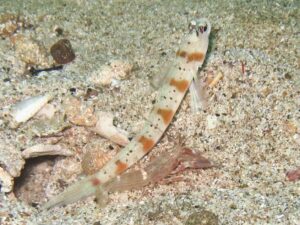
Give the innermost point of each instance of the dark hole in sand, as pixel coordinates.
(30, 186)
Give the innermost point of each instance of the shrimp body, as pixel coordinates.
(188, 59)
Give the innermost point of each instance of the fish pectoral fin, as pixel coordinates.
(198, 95)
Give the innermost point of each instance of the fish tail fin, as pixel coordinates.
(71, 194)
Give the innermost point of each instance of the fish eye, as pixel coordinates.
(203, 29)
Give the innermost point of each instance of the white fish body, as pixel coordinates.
(189, 58)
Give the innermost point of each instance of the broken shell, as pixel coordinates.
(110, 74)
(30, 51)
(10, 157)
(27, 108)
(8, 25)
(105, 128)
(78, 113)
(8, 29)
(216, 79)
(62, 51)
(42, 150)
(6, 181)
(11, 23)
(45, 127)
(47, 111)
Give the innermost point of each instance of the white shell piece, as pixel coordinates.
(212, 122)
(27, 108)
(297, 138)
(105, 128)
(42, 150)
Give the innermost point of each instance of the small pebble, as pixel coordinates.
(58, 30)
(90, 93)
(203, 217)
(73, 91)
(62, 52)
(112, 74)
(212, 122)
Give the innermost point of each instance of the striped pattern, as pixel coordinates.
(147, 143)
(181, 85)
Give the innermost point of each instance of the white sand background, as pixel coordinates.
(255, 114)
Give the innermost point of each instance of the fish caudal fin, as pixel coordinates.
(71, 194)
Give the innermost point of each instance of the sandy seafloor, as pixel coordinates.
(254, 137)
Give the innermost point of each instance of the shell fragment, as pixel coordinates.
(27, 108)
